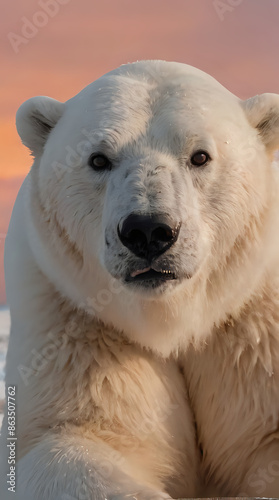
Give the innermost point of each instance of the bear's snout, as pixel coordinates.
(148, 236)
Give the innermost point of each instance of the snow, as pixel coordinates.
(4, 334)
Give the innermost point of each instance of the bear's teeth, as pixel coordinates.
(140, 271)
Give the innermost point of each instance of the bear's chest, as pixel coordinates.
(233, 392)
(113, 391)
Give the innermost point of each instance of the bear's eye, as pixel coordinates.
(200, 158)
(99, 161)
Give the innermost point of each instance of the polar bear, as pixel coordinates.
(142, 277)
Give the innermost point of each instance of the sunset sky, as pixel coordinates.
(57, 47)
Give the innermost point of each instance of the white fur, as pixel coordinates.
(103, 408)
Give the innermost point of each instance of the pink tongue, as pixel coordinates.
(136, 273)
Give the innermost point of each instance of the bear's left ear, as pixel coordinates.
(262, 112)
(35, 119)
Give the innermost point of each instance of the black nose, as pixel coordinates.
(148, 236)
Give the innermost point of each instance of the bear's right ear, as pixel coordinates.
(262, 112)
(34, 120)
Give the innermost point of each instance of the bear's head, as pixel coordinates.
(151, 194)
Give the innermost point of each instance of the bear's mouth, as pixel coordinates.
(150, 276)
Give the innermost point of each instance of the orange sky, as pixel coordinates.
(83, 39)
